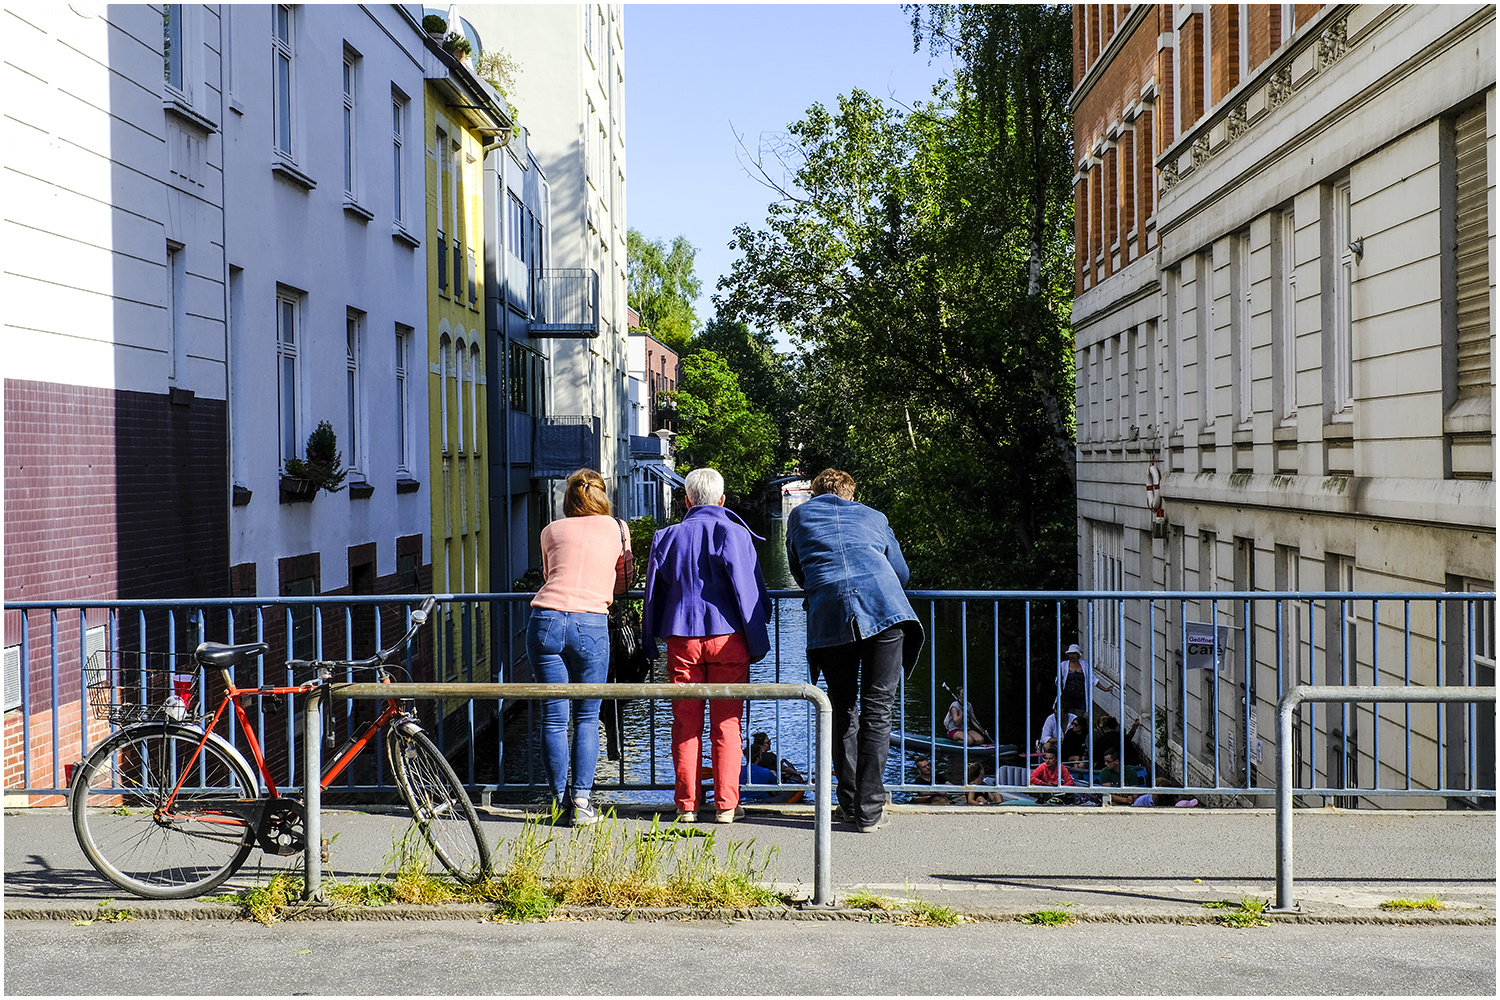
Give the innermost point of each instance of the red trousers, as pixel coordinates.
(715, 659)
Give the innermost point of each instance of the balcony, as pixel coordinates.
(564, 444)
(566, 303)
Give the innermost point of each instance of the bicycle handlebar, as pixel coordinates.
(382, 657)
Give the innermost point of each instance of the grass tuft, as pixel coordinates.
(1425, 903)
(1250, 912)
(1048, 918)
(907, 912)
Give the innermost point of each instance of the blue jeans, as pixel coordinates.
(569, 646)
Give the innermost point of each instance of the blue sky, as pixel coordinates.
(697, 74)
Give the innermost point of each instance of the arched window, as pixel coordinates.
(474, 371)
(460, 375)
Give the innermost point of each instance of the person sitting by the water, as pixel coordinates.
(1159, 799)
(1049, 772)
(976, 776)
(761, 755)
(1107, 734)
(961, 723)
(1112, 773)
(1075, 743)
(1050, 730)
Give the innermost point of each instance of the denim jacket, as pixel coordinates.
(846, 558)
(703, 578)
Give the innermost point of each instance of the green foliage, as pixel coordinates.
(1251, 912)
(455, 44)
(642, 530)
(717, 425)
(1425, 903)
(766, 377)
(433, 24)
(323, 466)
(906, 261)
(1048, 918)
(497, 68)
(907, 912)
(661, 286)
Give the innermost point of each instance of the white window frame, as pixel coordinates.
(174, 48)
(440, 138)
(1340, 377)
(1286, 315)
(284, 80)
(459, 376)
(351, 123)
(399, 104)
(445, 365)
(403, 400)
(1243, 344)
(177, 315)
(288, 373)
(474, 370)
(354, 323)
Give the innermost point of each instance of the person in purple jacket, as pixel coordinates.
(706, 597)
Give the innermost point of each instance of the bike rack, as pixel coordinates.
(822, 773)
(1334, 693)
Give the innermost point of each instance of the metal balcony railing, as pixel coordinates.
(567, 303)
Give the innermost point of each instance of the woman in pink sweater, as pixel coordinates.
(586, 562)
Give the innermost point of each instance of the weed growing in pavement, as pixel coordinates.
(1425, 903)
(907, 912)
(1048, 918)
(1250, 912)
(107, 913)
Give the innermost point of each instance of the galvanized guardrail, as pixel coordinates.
(1284, 711)
(822, 777)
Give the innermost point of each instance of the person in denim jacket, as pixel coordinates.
(861, 631)
(706, 597)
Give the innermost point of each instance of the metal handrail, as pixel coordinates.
(822, 776)
(1312, 692)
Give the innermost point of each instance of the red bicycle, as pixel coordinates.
(168, 809)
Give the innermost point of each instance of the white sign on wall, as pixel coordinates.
(1207, 646)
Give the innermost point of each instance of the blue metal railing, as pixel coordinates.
(1200, 710)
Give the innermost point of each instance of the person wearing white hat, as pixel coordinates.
(1075, 682)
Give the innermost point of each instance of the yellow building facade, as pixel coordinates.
(464, 120)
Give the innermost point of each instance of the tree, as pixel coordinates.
(661, 287)
(765, 376)
(718, 426)
(905, 258)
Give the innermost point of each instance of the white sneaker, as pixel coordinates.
(730, 815)
(584, 814)
(686, 816)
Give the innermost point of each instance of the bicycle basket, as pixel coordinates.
(128, 686)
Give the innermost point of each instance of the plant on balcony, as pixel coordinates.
(456, 45)
(323, 467)
(434, 25)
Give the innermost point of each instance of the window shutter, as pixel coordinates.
(1473, 257)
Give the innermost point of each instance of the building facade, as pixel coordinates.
(654, 369)
(572, 86)
(1285, 229)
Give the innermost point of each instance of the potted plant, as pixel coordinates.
(435, 26)
(322, 469)
(457, 46)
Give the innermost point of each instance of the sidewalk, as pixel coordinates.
(1138, 865)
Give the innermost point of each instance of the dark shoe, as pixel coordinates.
(884, 820)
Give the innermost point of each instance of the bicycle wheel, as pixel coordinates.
(439, 805)
(117, 798)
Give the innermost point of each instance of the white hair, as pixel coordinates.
(703, 486)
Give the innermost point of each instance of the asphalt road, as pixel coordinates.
(749, 959)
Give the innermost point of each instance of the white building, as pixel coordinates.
(570, 88)
(326, 277)
(1286, 233)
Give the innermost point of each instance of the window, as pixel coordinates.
(352, 326)
(1338, 377)
(473, 279)
(281, 62)
(171, 47)
(590, 154)
(445, 361)
(1203, 325)
(1472, 362)
(1173, 368)
(351, 70)
(515, 227)
(288, 318)
(442, 229)
(398, 143)
(519, 377)
(177, 373)
(474, 370)
(1109, 574)
(1284, 316)
(588, 29)
(12, 677)
(1244, 373)
(403, 417)
(460, 390)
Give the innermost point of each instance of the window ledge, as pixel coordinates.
(1243, 435)
(1284, 434)
(407, 485)
(179, 108)
(1343, 430)
(236, 107)
(361, 491)
(289, 173)
(1468, 416)
(400, 235)
(355, 210)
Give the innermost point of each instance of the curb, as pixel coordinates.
(472, 912)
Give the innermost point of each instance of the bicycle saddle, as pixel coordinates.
(217, 654)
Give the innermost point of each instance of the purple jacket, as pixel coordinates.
(703, 578)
